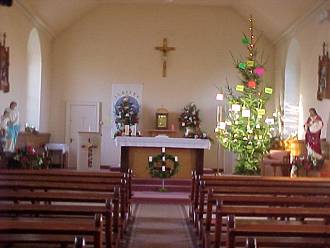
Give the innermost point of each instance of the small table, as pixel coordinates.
(60, 150)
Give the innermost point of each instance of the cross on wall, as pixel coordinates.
(164, 49)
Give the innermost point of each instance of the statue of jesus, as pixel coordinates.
(313, 127)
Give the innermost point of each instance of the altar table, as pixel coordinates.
(135, 152)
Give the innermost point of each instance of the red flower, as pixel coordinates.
(24, 159)
(252, 84)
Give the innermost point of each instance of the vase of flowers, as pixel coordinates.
(126, 115)
(28, 158)
(189, 120)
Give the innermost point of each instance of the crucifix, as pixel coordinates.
(164, 49)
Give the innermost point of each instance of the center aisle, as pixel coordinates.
(161, 226)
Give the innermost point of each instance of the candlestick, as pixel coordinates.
(220, 113)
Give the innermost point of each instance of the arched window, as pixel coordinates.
(291, 90)
(33, 80)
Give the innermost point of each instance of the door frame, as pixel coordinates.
(68, 119)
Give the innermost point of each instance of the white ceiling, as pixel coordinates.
(273, 17)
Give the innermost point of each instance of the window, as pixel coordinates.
(292, 101)
(33, 80)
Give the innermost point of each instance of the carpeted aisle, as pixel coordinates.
(161, 226)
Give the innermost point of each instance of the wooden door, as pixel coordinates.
(81, 117)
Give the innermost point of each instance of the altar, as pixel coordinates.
(135, 152)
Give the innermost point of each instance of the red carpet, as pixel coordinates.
(161, 226)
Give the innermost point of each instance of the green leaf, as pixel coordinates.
(245, 40)
(242, 66)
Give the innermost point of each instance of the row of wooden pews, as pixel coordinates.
(62, 206)
(231, 211)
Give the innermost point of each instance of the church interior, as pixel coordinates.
(164, 123)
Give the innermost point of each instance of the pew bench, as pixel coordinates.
(277, 231)
(55, 227)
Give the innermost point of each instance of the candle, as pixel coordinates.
(163, 168)
(220, 113)
(134, 130)
(176, 159)
(219, 97)
(150, 158)
(164, 159)
(163, 149)
(126, 130)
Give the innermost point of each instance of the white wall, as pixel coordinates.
(115, 44)
(310, 34)
(18, 25)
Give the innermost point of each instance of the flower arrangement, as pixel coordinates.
(190, 116)
(189, 120)
(126, 113)
(28, 158)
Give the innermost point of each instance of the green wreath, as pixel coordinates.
(155, 166)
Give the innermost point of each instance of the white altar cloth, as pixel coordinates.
(57, 147)
(162, 142)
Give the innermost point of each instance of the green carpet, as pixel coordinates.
(161, 226)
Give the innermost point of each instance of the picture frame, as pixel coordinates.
(4, 65)
(161, 120)
(323, 88)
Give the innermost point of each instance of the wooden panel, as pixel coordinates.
(34, 140)
(138, 160)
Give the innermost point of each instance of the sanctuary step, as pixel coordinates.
(148, 191)
(153, 184)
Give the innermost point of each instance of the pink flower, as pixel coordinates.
(259, 71)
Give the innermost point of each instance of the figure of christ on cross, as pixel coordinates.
(164, 49)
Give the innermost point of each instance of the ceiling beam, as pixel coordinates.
(300, 21)
(37, 21)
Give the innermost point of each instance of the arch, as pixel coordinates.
(34, 79)
(292, 99)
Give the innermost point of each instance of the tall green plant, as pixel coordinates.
(246, 130)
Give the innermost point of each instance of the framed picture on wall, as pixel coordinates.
(323, 89)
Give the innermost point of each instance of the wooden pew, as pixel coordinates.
(277, 231)
(226, 185)
(215, 181)
(53, 206)
(252, 191)
(240, 182)
(53, 186)
(55, 227)
(79, 242)
(266, 210)
(251, 243)
(67, 211)
(100, 178)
